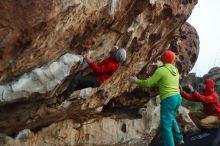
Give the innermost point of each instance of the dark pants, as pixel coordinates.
(217, 139)
(80, 82)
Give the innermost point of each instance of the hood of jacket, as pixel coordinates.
(173, 70)
(209, 88)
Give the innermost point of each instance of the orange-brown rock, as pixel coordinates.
(42, 38)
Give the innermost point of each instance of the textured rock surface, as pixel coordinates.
(37, 35)
(117, 129)
(185, 43)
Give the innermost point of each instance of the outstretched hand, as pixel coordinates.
(191, 88)
(181, 88)
(116, 47)
(87, 58)
(133, 79)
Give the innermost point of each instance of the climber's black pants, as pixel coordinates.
(80, 82)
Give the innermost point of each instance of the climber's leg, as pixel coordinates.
(80, 82)
(167, 120)
(72, 86)
(177, 135)
(209, 122)
(196, 117)
(88, 81)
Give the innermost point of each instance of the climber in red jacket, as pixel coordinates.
(209, 98)
(101, 71)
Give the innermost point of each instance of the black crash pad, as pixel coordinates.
(203, 138)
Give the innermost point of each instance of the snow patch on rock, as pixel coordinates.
(24, 134)
(152, 2)
(40, 80)
(114, 6)
(68, 3)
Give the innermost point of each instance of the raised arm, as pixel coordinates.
(188, 96)
(205, 99)
(151, 81)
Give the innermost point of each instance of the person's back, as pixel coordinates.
(105, 69)
(169, 81)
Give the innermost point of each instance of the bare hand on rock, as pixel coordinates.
(87, 58)
(191, 88)
(133, 79)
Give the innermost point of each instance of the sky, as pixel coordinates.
(206, 19)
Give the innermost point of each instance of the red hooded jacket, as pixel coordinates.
(105, 69)
(209, 99)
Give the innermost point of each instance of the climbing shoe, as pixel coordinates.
(181, 143)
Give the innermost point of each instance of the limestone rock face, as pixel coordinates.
(41, 48)
(102, 131)
(185, 44)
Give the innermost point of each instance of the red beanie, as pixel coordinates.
(210, 83)
(168, 57)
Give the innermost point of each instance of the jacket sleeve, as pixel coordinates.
(102, 68)
(203, 98)
(151, 81)
(188, 96)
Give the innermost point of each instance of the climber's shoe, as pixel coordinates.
(181, 143)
